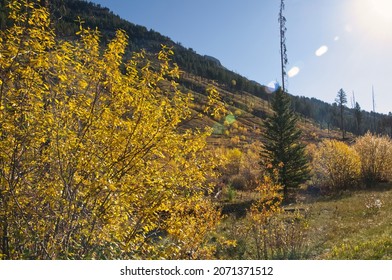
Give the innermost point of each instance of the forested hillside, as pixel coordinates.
(65, 14)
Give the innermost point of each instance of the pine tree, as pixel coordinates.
(341, 100)
(358, 117)
(283, 148)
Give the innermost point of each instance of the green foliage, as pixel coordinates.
(283, 149)
(358, 117)
(328, 116)
(341, 100)
(342, 219)
(231, 193)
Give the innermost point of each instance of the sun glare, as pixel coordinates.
(375, 17)
(382, 9)
(293, 72)
(321, 51)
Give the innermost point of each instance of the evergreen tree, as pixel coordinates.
(358, 117)
(283, 148)
(341, 100)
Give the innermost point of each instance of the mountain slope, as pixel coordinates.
(247, 96)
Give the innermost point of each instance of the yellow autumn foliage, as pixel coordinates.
(336, 165)
(276, 233)
(375, 153)
(93, 164)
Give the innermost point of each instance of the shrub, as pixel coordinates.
(93, 150)
(238, 182)
(275, 233)
(375, 153)
(241, 169)
(336, 165)
(233, 157)
(286, 236)
(231, 193)
(250, 165)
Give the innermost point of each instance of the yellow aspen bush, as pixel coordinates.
(276, 234)
(375, 153)
(261, 212)
(250, 168)
(232, 161)
(336, 165)
(92, 161)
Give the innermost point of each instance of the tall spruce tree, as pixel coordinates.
(341, 101)
(358, 117)
(284, 150)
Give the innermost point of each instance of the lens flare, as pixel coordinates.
(230, 119)
(348, 28)
(272, 87)
(293, 72)
(321, 50)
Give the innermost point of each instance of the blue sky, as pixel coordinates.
(331, 44)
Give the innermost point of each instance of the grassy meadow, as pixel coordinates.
(349, 225)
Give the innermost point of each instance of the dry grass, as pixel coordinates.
(339, 227)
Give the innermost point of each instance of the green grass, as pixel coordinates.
(339, 227)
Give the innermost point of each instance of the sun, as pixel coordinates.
(382, 9)
(374, 17)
